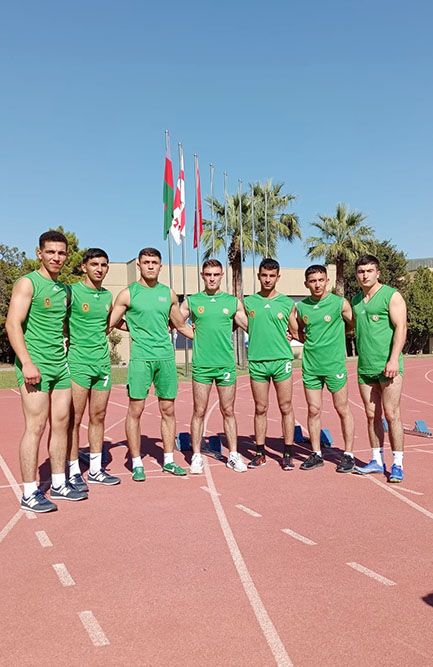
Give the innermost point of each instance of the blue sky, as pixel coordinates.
(333, 98)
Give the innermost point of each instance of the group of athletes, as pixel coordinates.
(57, 379)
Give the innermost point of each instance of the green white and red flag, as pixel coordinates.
(167, 193)
(178, 226)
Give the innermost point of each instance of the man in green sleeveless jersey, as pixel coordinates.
(320, 325)
(270, 358)
(212, 312)
(380, 328)
(89, 364)
(149, 307)
(35, 326)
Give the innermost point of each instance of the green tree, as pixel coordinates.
(419, 310)
(11, 268)
(71, 272)
(342, 238)
(393, 269)
(281, 226)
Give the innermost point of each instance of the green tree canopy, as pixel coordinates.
(419, 310)
(71, 271)
(392, 262)
(11, 268)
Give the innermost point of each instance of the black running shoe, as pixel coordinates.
(257, 461)
(287, 462)
(346, 464)
(313, 461)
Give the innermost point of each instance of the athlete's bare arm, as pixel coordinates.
(177, 319)
(240, 318)
(347, 315)
(120, 307)
(296, 326)
(184, 309)
(398, 317)
(19, 307)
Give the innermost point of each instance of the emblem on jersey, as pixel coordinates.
(305, 319)
(85, 307)
(107, 307)
(280, 316)
(55, 288)
(252, 313)
(225, 311)
(200, 310)
(267, 306)
(375, 318)
(327, 318)
(47, 303)
(162, 298)
(339, 376)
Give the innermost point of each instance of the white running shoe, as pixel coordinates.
(234, 462)
(197, 465)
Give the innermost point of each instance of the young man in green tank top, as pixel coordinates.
(270, 359)
(90, 367)
(380, 328)
(320, 323)
(149, 307)
(213, 312)
(35, 326)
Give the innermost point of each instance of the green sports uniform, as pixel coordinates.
(374, 335)
(212, 349)
(270, 355)
(324, 353)
(152, 354)
(43, 333)
(88, 354)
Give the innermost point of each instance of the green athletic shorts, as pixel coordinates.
(162, 374)
(223, 377)
(264, 371)
(334, 381)
(52, 377)
(91, 377)
(380, 378)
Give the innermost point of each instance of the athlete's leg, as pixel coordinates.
(168, 423)
(260, 391)
(314, 402)
(200, 394)
(132, 425)
(59, 420)
(35, 405)
(340, 399)
(97, 411)
(371, 395)
(78, 405)
(391, 394)
(227, 397)
(284, 390)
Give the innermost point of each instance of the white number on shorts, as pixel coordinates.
(227, 377)
(288, 366)
(106, 378)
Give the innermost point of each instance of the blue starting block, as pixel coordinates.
(385, 425)
(298, 436)
(326, 438)
(183, 442)
(422, 428)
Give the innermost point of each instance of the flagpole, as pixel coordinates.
(266, 222)
(241, 346)
(226, 237)
(183, 240)
(170, 249)
(211, 169)
(197, 231)
(253, 235)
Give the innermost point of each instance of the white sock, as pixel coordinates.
(398, 458)
(74, 468)
(168, 457)
(58, 479)
(29, 488)
(95, 463)
(234, 456)
(319, 453)
(196, 456)
(349, 454)
(377, 455)
(137, 462)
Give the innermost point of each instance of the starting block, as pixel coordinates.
(385, 425)
(183, 442)
(326, 438)
(298, 435)
(421, 429)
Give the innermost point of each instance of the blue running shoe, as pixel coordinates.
(371, 467)
(396, 473)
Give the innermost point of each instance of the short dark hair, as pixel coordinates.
(92, 253)
(367, 259)
(269, 264)
(315, 268)
(149, 252)
(54, 236)
(213, 263)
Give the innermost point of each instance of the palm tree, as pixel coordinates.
(280, 226)
(342, 238)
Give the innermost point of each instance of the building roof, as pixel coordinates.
(414, 264)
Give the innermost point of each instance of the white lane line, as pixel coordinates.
(427, 376)
(414, 493)
(94, 630)
(16, 392)
(395, 493)
(207, 489)
(248, 511)
(297, 536)
(43, 538)
(370, 573)
(62, 572)
(10, 524)
(14, 484)
(422, 451)
(269, 631)
(418, 400)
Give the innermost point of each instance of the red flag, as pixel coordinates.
(198, 218)
(167, 194)
(178, 226)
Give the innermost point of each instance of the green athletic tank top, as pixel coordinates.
(43, 326)
(88, 315)
(212, 316)
(147, 318)
(267, 327)
(324, 349)
(374, 331)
